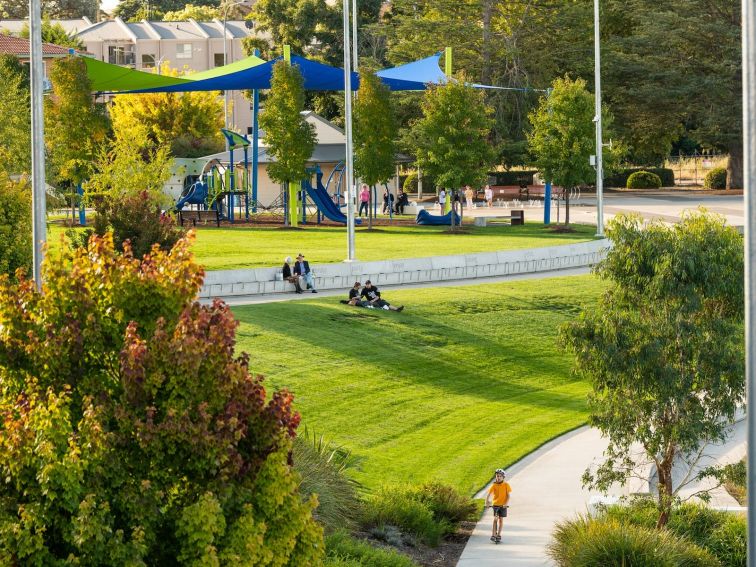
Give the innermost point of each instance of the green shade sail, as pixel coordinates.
(107, 77)
(246, 63)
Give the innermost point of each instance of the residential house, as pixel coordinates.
(19, 47)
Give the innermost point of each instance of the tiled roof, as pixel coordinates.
(20, 47)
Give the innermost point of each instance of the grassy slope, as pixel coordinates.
(466, 379)
(232, 248)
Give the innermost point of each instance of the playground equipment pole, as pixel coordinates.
(348, 128)
(255, 140)
(597, 120)
(38, 148)
(749, 177)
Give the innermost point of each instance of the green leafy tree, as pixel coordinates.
(55, 34)
(15, 127)
(59, 9)
(563, 136)
(199, 12)
(135, 10)
(75, 127)
(188, 124)
(15, 226)
(132, 433)
(663, 349)
(311, 27)
(375, 131)
(451, 139)
(289, 137)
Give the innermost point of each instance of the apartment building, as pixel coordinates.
(186, 46)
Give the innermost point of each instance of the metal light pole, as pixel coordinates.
(39, 235)
(348, 129)
(749, 171)
(225, 60)
(597, 120)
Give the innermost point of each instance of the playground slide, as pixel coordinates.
(424, 217)
(196, 195)
(323, 201)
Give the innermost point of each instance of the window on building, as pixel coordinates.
(117, 55)
(184, 51)
(218, 59)
(148, 60)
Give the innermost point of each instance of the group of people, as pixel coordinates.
(301, 271)
(369, 297)
(390, 202)
(469, 194)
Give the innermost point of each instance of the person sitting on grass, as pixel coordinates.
(302, 268)
(354, 297)
(373, 297)
(500, 490)
(289, 277)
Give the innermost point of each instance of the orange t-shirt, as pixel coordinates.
(500, 491)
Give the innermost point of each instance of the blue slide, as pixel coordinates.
(197, 195)
(323, 201)
(424, 217)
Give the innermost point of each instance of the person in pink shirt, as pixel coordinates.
(364, 199)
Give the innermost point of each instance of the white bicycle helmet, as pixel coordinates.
(502, 472)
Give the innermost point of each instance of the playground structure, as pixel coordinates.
(221, 190)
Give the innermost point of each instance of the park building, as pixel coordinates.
(186, 46)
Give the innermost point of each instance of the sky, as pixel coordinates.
(108, 5)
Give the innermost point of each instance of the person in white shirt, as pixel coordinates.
(489, 196)
(442, 199)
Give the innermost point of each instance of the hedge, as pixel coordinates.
(619, 179)
(716, 179)
(643, 180)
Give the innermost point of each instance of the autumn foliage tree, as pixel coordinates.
(131, 433)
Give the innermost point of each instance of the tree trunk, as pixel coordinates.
(735, 165)
(485, 76)
(450, 195)
(664, 491)
(567, 207)
(371, 209)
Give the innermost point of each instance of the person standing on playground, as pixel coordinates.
(489, 195)
(302, 268)
(442, 199)
(469, 196)
(388, 201)
(289, 277)
(500, 490)
(364, 200)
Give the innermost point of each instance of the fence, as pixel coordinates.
(691, 169)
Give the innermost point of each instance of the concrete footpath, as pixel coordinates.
(547, 488)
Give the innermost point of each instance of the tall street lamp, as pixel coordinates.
(225, 57)
(348, 131)
(39, 234)
(749, 177)
(597, 120)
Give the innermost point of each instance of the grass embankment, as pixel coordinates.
(464, 380)
(245, 247)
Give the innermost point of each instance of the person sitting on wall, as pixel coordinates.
(289, 277)
(401, 201)
(373, 297)
(302, 268)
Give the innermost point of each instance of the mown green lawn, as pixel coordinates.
(233, 248)
(464, 380)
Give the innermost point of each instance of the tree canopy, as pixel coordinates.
(451, 138)
(15, 127)
(375, 131)
(188, 124)
(663, 349)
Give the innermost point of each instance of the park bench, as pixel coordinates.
(513, 218)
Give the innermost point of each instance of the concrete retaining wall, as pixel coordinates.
(225, 283)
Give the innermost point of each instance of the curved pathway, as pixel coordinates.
(547, 488)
